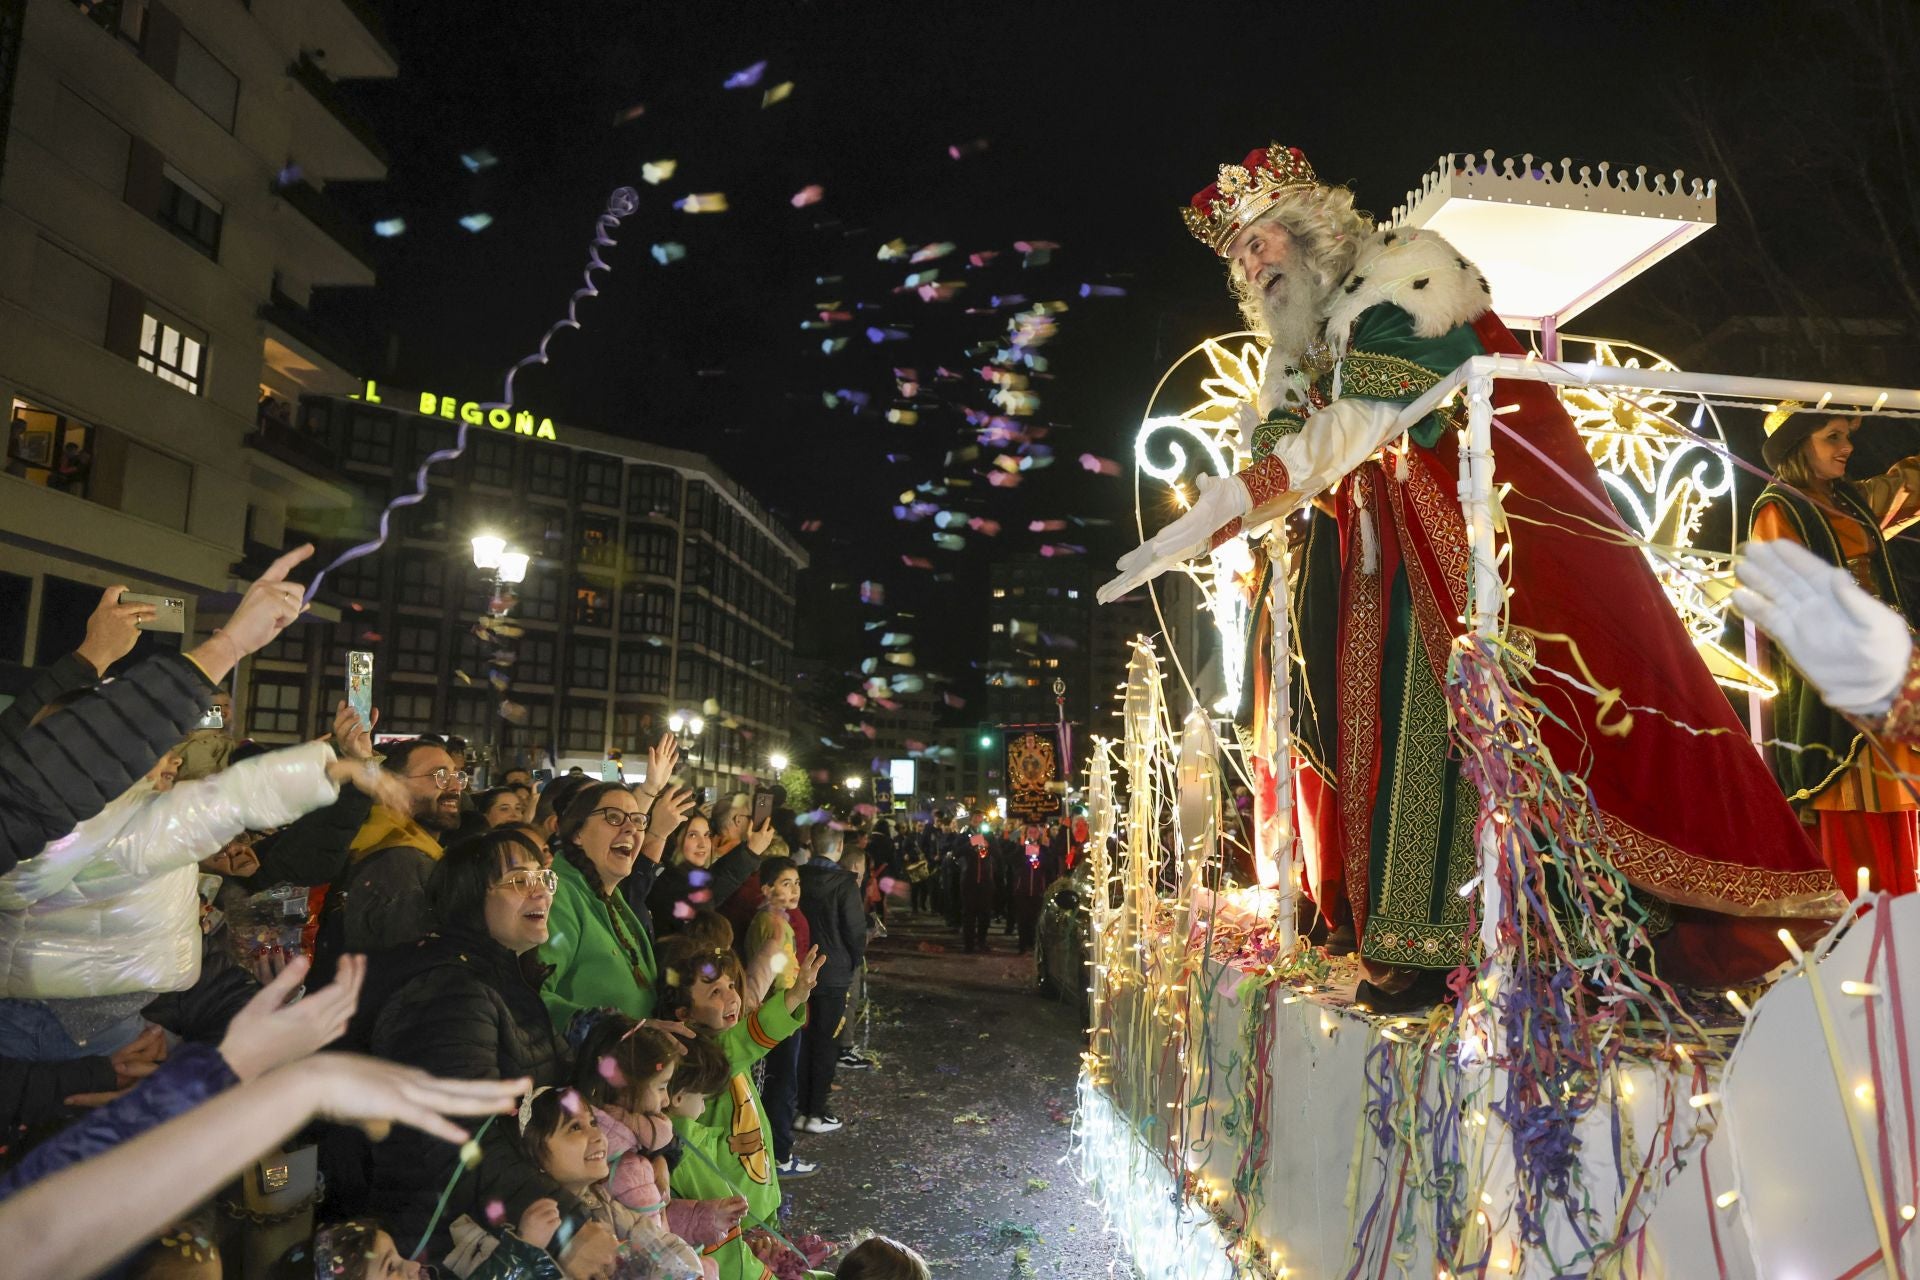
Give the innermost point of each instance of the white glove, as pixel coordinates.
(1222, 499)
(1854, 649)
(1245, 417)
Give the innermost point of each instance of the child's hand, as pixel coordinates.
(731, 1210)
(804, 979)
(672, 1028)
(591, 1254)
(540, 1222)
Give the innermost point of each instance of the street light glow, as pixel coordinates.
(513, 566)
(487, 550)
(676, 722)
(852, 784)
(778, 760)
(697, 726)
(986, 740)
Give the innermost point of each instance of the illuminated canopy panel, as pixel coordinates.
(1553, 244)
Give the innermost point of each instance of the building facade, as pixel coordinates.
(163, 224)
(657, 585)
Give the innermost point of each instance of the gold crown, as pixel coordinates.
(1243, 192)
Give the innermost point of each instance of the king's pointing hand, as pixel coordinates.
(1221, 501)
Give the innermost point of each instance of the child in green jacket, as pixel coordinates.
(726, 1149)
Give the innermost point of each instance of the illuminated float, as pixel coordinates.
(1238, 1118)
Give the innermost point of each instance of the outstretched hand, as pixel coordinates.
(375, 1095)
(1853, 648)
(805, 977)
(275, 1028)
(1221, 500)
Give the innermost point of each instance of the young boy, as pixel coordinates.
(726, 1152)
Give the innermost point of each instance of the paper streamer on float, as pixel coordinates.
(621, 203)
(1196, 816)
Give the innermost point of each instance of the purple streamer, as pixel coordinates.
(620, 204)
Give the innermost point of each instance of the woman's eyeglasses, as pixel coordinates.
(529, 880)
(617, 818)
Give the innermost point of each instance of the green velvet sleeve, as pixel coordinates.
(1387, 361)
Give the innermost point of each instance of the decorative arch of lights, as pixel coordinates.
(1664, 482)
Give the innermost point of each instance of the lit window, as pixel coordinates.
(1072, 594)
(999, 593)
(999, 626)
(169, 353)
(1053, 662)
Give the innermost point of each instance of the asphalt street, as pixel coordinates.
(956, 1142)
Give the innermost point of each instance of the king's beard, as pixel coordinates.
(1294, 321)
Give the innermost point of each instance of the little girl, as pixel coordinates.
(623, 1073)
(561, 1135)
(776, 936)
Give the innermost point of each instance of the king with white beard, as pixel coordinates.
(1364, 320)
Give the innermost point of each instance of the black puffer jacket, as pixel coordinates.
(459, 1005)
(830, 899)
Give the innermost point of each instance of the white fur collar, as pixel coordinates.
(1417, 271)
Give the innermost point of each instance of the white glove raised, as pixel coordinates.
(1221, 500)
(1854, 649)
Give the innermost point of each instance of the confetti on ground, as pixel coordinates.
(970, 1117)
(1037, 1184)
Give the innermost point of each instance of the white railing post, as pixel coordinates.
(1485, 591)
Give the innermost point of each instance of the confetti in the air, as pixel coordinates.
(1102, 291)
(477, 221)
(1098, 465)
(779, 93)
(747, 78)
(655, 172)
(961, 150)
(668, 251)
(387, 228)
(703, 202)
(477, 159)
(633, 112)
(807, 195)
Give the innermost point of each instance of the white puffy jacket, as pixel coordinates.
(114, 907)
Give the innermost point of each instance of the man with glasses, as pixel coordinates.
(385, 898)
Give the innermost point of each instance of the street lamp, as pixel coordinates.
(508, 567)
(852, 785)
(779, 761)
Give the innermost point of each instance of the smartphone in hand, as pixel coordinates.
(360, 686)
(762, 807)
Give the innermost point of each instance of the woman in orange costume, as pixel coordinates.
(1862, 812)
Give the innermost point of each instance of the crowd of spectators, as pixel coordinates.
(326, 1010)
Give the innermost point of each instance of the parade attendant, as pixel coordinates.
(602, 956)
(1862, 811)
(726, 1147)
(1363, 320)
(1030, 879)
(977, 884)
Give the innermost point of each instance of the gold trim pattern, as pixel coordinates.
(1727, 887)
(1359, 678)
(1373, 376)
(1279, 424)
(1266, 480)
(1402, 929)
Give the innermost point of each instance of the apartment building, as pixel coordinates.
(163, 224)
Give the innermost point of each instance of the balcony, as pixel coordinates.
(354, 39)
(330, 138)
(296, 465)
(307, 353)
(330, 250)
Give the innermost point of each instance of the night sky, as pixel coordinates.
(1100, 120)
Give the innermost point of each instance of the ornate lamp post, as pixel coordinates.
(508, 567)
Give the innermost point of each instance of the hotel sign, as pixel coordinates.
(475, 414)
